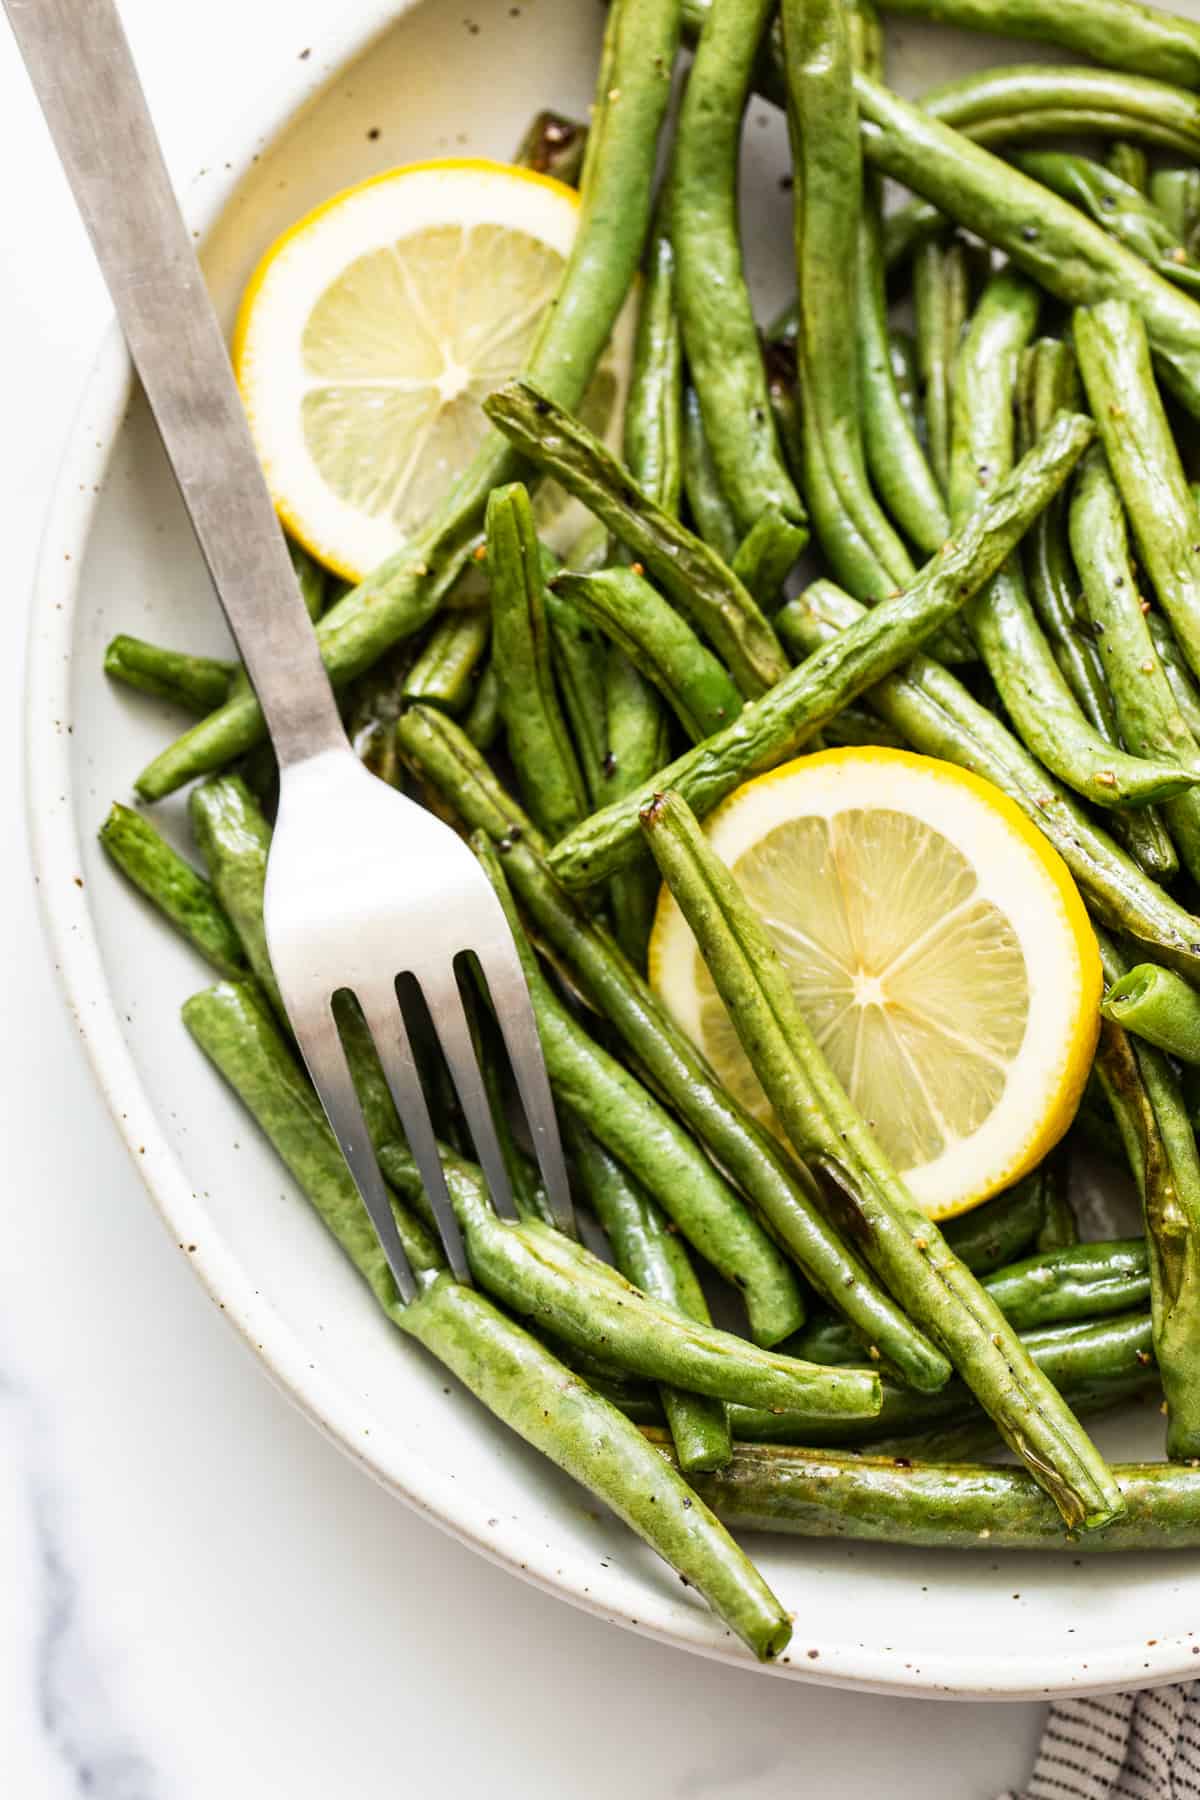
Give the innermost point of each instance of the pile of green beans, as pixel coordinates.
(993, 446)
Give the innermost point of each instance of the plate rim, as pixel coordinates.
(65, 913)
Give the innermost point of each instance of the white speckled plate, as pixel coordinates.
(394, 84)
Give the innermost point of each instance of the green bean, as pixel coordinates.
(1120, 32)
(845, 548)
(536, 731)
(579, 657)
(780, 1190)
(1159, 1006)
(1073, 1285)
(233, 837)
(902, 355)
(1060, 1226)
(701, 585)
(638, 743)
(1149, 717)
(1130, 164)
(539, 1272)
(715, 314)
(1176, 194)
(943, 1506)
(968, 1439)
(1096, 1356)
(905, 1248)
(895, 458)
(1104, 197)
(642, 1135)
(660, 643)
(1114, 358)
(1000, 617)
(173, 886)
(1049, 380)
(1042, 123)
(444, 673)
(1151, 1115)
(843, 545)
(774, 727)
(828, 203)
(940, 718)
(940, 303)
(524, 1177)
(1045, 236)
(509, 1371)
(196, 682)
(654, 408)
(399, 597)
(709, 509)
(986, 103)
(906, 229)
(481, 721)
(1174, 667)
(994, 1234)
(553, 145)
(768, 553)
(650, 1255)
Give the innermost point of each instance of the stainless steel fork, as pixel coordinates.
(363, 886)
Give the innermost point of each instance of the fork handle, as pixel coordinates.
(79, 61)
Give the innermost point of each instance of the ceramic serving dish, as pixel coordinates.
(392, 84)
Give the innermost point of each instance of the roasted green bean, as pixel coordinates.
(659, 643)
(1151, 1115)
(536, 732)
(444, 673)
(1159, 1006)
(952, 1506)
(827, 207)
(940, 306)
(171, 884)
(1119, 32)
(653, 1257)
(1000, 618)
(1114, 359)
(710, 511)
(719, 332)
(196, 682)
(1147, 712)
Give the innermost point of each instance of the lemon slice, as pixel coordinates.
(371, 332)
(938, 949)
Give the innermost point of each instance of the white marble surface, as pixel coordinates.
(200, 1597)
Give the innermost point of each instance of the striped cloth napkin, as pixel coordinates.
(1120, 1747)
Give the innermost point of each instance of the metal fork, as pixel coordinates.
(363, 886)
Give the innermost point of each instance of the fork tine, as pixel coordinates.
(326, 1062)
(449, 1015)
(514, 1012)
(386, 1024)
